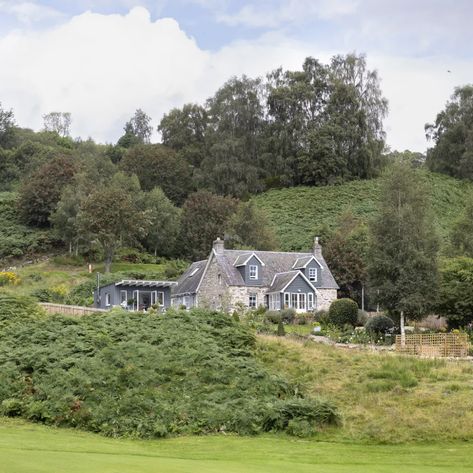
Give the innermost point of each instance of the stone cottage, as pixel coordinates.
(273, 279)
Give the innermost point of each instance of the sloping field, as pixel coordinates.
(295, 213)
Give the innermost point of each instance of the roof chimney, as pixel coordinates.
(317, 248)
(218, 246)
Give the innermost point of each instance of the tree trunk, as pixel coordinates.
(70, 247)
(108, 259)
(403, 331)
(155, 252)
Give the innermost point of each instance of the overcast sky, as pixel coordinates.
(102, 59)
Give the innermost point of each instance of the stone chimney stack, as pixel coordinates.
(317, 247)
(218, 246)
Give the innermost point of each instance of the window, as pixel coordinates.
(274, 301)
(294, 300)
(123, 298)
(253, 300)
(287, 302)
(107, 299)
(301, 301)
(160, 298)
(310, 301)
(253, 271)
(313, 274)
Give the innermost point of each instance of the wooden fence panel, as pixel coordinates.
(433, 344)
(69, 309)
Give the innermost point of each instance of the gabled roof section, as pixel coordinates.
(243, 259)
(189, 281)
(304, 261)
(282, 280)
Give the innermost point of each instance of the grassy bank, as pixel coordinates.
(381, 397)
(26, 448)
(295, 213)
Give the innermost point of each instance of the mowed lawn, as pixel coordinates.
(29, 448)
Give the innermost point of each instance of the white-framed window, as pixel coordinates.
(160, 298)
(310, 301)
(253, 271)
(252, 300)
(123, 297)
(107, 299)
(274, 301)
(287, 299)
(313, 274)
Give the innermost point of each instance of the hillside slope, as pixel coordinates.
(295, 213)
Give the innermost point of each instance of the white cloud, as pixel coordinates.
(275, 15)
(29, 12)
(103, 67)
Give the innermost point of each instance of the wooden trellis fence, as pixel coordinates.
(434, 344)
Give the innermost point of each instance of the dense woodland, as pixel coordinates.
(321, 125)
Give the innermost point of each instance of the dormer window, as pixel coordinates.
(253, 272)
(313, 274)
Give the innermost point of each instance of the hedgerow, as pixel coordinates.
(139, 375)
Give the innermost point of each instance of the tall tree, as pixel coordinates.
(184, 130)
(7, 127)
(164, 220)
(138, 130)
(204, 217)
(249, 228)
(159, 166)
(345, 252)
(109, 215)
(40, 193)
(236, 124)
(58, 122)
(452, 135)
(402, 253)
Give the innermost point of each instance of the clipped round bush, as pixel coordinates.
(379, 324)
(343, 312)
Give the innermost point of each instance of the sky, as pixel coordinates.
(100, 60)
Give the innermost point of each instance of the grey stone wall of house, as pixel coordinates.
(213, 291)
(325, 297)
(187, 300)
(241, 295)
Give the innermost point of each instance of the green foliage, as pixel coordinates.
(249, 228)
(159, 166)
(452, 134)
(462, 230)
(281, 331)
(403, 246)
(379, 324)
(17, 239)
(145, 375)
(204, 217)
(455, 298)
(297, 214)
(40, 193)
(342, 312)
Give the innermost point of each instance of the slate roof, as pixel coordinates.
(275, 262)
(281, 280)
(187, 284)
(301, 262)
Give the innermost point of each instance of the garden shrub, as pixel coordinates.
(343, 312)
(273, 316)
(142, 375)
(288, 315)
(9, 277)
(379, 324)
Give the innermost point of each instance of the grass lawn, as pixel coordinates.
(29, 448)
